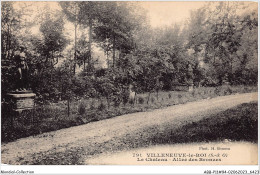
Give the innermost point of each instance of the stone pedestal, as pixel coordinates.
(20, 101)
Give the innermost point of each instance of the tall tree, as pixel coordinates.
(89, 13)
(10, 24)
(215, 35)
(13, 32)
(72, 10)
(53, 39)
(117, 24)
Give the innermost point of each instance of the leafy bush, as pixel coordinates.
(82, 108)
(140, 100)
(131, 101)
(125, 97)
(193, 93)
(152, 99)
(92, 105)
(116, 101)
(228, 91)
(101, 107)
(217, 91)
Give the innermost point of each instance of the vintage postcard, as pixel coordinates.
(129, 83)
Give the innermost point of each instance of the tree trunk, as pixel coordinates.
(8, 39)
(135, 99)
(108, 103)
(68, 102)
(114, 50)
(107, 60)
(75, 49)
(90, 42)
(84, 64)
(51, 64)
(148, 97)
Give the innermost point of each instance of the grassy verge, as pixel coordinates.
(55, 116)
(236, 124)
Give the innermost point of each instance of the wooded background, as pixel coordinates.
(216, 45)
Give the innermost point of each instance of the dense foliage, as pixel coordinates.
(218, 45)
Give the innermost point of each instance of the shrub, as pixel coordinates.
(116, 101)
(92, 105)
(152, 100)
(125, 99)
(131, 101)
(91, 115)
(245, 89)
(101, 107)
(140, 100)
(217, 91)
(228, 90)
(225, 90)
(193, 93)
(82, 108)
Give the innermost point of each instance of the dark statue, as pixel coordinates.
(22, 98)
(22, 70)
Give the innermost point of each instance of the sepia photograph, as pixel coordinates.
(129, 83)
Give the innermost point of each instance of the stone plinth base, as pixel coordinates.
(20, 101)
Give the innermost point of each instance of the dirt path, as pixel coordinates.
(95, 137)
